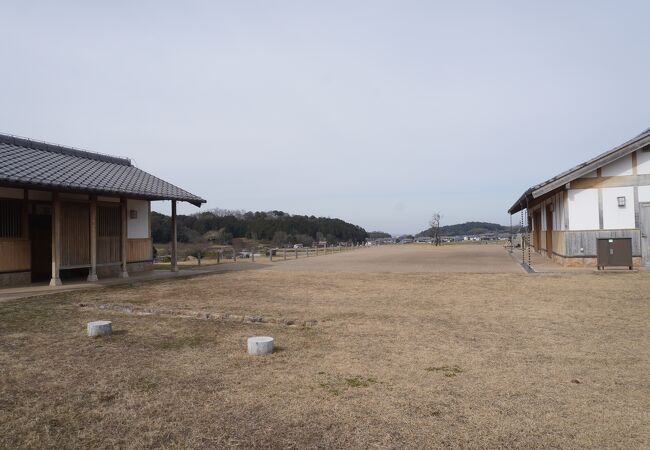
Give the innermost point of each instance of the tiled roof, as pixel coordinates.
(47, 166)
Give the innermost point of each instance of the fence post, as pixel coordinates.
(218, 256)
(271, 255)
(284, 253)
(296, 250)
(253, 255)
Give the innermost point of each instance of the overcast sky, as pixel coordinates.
(379, 113)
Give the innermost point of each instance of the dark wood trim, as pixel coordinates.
(174, 261)
(92, 275)
(56, 240)
(124, 231)
(25, 217)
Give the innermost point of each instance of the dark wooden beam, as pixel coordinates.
(56, 240)
(174, 267)
(123, 236)
(92, 275)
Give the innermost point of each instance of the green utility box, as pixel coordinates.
(614, 252)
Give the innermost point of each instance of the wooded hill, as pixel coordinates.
(221, 226)
(469, 229)
(378, 235)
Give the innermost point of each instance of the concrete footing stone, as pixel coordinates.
(100, 328)
(260, 345)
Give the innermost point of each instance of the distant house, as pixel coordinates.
(65, 211)
(605, 197)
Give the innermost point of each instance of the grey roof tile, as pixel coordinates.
(27, 162)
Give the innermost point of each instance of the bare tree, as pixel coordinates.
(434, 223)
(280, 239)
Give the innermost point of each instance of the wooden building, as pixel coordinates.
(69, 212)
(605, 197)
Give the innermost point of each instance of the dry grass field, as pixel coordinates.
(365, 359)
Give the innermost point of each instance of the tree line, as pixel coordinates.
(222, 226)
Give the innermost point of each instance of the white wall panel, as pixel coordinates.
(620, 167)
(644, 193)
(583, 209)
(138, 227)
(643, 163)
(614, 216)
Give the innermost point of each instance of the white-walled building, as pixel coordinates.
(605, 197)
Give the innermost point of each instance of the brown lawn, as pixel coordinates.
(385, 360)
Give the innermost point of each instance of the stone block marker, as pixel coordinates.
(100, 328)
(260, 345)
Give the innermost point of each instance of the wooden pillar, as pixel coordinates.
(284, 252)
(123, 236)
(56, 240)
(92, 274)
(296, 250)
(25, 219)
(174, 230)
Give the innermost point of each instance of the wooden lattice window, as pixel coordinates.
(109, 222)
(11, 219)
(109, 226)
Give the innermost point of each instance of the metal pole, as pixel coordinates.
(528, 234)
(521, 226)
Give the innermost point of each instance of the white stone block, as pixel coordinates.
(100, 328)
(260, 345)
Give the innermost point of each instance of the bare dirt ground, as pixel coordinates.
(485, 258)
(391, 360)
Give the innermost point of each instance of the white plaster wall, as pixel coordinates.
(620, 167)
(583, 209)
(6, 192)
(558, 212)
(137, 228)
(644, 193)
(643, 163)
(614, 216)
